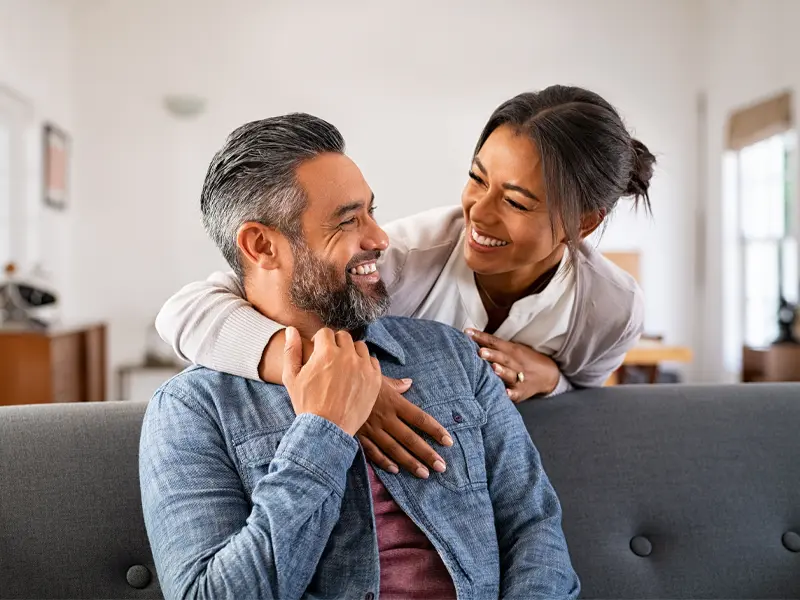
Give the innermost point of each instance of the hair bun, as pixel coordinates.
(642, 173)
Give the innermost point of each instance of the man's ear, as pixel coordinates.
(590, 222)
(259, 245)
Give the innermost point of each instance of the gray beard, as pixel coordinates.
(317, 288)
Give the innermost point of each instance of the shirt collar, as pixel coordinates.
(377, 335)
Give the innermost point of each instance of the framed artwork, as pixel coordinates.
(56, 167)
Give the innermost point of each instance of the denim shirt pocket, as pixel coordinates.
(463, 418)
(254, 456)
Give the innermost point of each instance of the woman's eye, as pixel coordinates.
(516, 205)
(475, 178)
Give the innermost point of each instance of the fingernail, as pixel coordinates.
(439, 466)
(509, 393)
(407, 380)
(393, 469)
(496, 368)
(447, 441)
(484, 353)
(422, 473)
(469, 332)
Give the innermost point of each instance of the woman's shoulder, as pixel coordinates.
(616, 296)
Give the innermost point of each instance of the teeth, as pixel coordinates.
(367, 269)
(487, 241)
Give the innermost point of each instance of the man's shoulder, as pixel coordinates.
(407, 329)
(206, 390)
(196, 382)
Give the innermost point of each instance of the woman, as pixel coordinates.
(510, 267)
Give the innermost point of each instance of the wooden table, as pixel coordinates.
(59, 364)
(650, 354)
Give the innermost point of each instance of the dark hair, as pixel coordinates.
(588, 157)
(253, 178)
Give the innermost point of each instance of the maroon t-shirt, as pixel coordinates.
(410, 565)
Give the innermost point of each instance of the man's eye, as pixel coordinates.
(372, 210)
(348, 222)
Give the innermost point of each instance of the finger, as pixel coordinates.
(496, 356)
(509, 376)
(343, 339)
(375, 456)
(362, 350)
(401, 386)
(416, 445)
(486, 340)
(375, 364)
(516, 395)
(419, 419)
(324, 339)
(395, 451)
(292, 355)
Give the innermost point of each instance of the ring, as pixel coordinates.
(521, 377)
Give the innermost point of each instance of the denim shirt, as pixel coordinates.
(243, 499)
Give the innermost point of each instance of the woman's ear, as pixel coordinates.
(258, 245)
(590, 222)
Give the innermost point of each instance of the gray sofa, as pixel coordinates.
(668, 492)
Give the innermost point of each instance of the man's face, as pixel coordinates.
(335, 274)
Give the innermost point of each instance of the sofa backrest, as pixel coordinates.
(71, 522)
(677, 491)
(667, 491)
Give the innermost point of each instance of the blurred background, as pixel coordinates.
(110, 111)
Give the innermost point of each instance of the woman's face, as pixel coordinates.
(508, 225)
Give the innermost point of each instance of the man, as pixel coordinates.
(253, 490)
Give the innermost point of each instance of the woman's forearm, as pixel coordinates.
(270, 368)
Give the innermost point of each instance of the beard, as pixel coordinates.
(317, 287)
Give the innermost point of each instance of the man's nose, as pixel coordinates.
(375, 239)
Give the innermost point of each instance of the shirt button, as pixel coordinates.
(369, 596)
(457, 417)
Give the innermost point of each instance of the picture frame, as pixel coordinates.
(55, 167)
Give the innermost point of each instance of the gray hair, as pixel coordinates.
(253, 178)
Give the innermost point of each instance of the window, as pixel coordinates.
(767, 247)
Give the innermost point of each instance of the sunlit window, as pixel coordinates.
(768, 248)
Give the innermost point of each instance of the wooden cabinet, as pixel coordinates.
(57, 365)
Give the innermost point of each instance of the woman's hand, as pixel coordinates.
(389, 440)
(540, 373)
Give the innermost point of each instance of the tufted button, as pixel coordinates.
(457, 417)
(138, 576)
(641, 546)
(791, 541)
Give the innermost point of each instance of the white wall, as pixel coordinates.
(752, 50)
(410, 86)
(36, 66)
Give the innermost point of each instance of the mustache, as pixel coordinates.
(362, 258)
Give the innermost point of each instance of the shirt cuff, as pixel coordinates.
(562, 386)
(320, 447)
(241, 341)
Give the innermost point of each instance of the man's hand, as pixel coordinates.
(340, 381)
